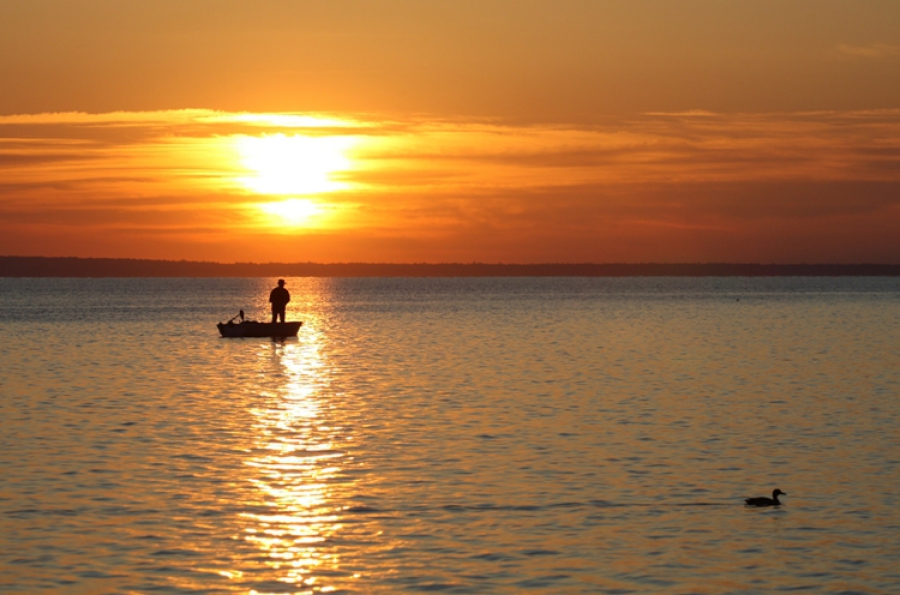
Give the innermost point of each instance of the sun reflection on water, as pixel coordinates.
(296, 459)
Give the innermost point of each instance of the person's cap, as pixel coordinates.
(281, 281)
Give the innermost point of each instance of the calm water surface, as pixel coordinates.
(451, 435)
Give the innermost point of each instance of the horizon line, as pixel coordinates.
(76, 266)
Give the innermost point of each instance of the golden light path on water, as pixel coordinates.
(294, 467)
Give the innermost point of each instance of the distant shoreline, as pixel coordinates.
(34, 266)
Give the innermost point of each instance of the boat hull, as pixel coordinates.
(259, 329)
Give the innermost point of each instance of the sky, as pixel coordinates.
(422, 131)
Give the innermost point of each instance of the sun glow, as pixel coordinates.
(293, 211)
(294, 164)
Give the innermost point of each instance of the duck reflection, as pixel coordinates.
(297, 465)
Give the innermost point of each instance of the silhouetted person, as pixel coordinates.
(279, 299)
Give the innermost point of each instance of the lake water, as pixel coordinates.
(451, 435)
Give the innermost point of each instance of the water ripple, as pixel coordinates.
(458, 436)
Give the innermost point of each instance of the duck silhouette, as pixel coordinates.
(763, 501)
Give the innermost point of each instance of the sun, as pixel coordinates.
(297, 168)
(294, 165)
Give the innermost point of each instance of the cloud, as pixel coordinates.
(695, 113)
(872, 51)
(642, 182)
(169, 117)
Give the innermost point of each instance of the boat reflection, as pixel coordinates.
(296, 463)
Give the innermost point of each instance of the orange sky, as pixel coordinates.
(415, 131)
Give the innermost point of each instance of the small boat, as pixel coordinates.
(249, 328)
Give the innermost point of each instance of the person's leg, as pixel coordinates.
(274, 314)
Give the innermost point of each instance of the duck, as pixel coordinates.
(763, 501)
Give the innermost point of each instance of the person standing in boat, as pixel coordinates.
(279, 299)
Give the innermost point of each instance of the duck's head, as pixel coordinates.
(777, 493)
